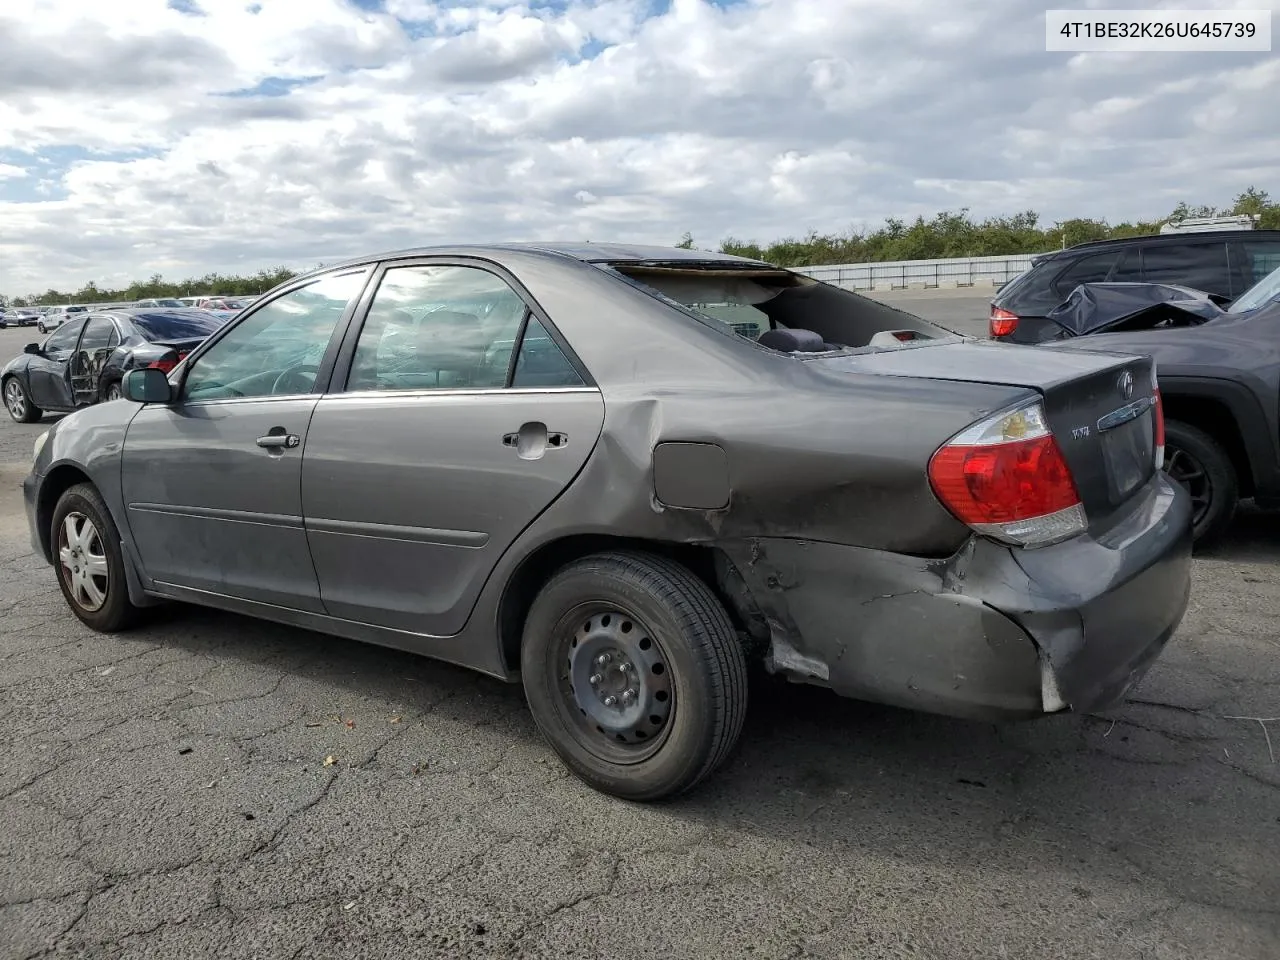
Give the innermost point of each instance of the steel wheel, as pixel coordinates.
(1190, 474)
(615, 689)
(15, 400)
(84, 562)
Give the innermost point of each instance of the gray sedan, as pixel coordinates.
(620, 475)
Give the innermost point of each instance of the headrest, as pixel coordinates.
(792, 340)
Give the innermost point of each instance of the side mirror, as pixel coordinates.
(31, 348)
(147, 385)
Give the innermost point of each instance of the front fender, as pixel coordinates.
(89, 443)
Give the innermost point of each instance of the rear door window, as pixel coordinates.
(1129, 270)
(1260, 258)
(541, 362)
(1091, 269)
(1202, 266)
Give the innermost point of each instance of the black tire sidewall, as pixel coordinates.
(690, 738)
(118, 611)
(1221, 472)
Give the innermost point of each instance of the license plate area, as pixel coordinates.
(1129, 453)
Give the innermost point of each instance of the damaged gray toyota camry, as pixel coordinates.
(621, 474)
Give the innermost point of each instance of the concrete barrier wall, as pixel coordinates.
(984, 273)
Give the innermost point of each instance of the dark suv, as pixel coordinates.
(1222, 263)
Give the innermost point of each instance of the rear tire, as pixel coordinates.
(89, 561)
(1202, 467)
(653, 630)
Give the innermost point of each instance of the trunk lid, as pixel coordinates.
(1100, 406)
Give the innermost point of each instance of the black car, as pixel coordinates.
(1223, 263)
(83, 361)
(1219, 378)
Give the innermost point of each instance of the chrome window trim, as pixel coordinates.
(393, 394)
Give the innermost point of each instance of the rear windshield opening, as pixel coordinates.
(778, 309)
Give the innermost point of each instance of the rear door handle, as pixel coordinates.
(279, 441)
(553, 439)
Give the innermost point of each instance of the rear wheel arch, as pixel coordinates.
(708, 563)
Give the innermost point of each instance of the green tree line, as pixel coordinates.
(948, 234)
(156, 286)
(960, 235)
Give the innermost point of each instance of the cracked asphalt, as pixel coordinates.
(166, 793)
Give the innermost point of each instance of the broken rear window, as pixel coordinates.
(749, 302)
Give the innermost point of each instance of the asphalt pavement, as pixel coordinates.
(213, 786)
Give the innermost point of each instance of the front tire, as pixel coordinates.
(111, 391)
(1202, 467)
(89, 561)
(18, 402)
(634, 674)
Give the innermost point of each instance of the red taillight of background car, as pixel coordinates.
(168, 362)
(1006, 477)
(1002, 322)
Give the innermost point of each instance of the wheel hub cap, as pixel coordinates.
(619, 678)
(82, 556)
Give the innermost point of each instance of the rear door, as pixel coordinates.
(1202, 265)
(50, 371)
(97, 344)
(437, 450)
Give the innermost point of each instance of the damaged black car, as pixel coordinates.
(1219, 380)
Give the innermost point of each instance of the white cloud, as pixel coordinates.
(120, 154)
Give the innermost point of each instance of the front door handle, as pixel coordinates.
(279, 441)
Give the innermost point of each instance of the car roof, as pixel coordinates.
(1167, 238)
(582, 252)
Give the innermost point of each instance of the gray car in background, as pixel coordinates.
(620, 475)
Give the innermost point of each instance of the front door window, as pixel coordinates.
(277, 350)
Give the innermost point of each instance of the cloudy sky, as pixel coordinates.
(143, 136)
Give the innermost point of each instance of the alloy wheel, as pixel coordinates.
(15, 400)
(84, 561)
(1190, 474)
(616, 686)
(113, 392)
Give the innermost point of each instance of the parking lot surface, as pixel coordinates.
(212, 786)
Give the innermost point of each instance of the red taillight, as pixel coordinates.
(1002, 322)
(1006, 477)
(168, 363)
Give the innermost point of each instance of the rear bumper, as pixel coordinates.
(992, 632)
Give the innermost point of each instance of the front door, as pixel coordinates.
(438, 451)
(99, 340)
(49, 372)
(212, 481)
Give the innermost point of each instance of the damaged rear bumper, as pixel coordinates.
(992, 632)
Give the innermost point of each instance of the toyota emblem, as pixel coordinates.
(1126, 384)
